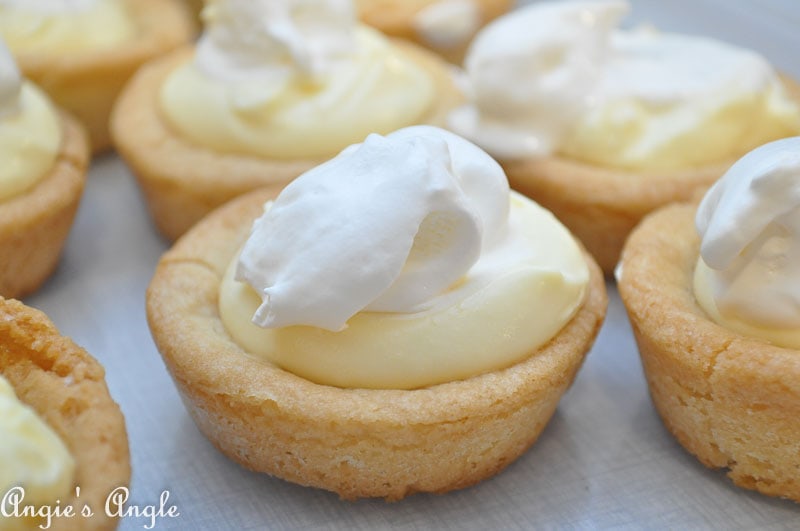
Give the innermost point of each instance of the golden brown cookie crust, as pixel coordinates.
(86, 84)
(181, 181)
(732, 401)
(601, 206)
(66, 387)
(396, 18)
(355, 442)
(34, 225)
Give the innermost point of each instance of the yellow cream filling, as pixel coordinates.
(632, 134)
(30, 137)
(703, 292)
(478, 326)
(32, 457)
(104, 25)
(379, 91)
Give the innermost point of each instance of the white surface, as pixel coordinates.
(604, 461)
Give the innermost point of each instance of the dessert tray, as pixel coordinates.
(605, 460)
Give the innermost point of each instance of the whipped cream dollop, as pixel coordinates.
(448, 23)
(748, 276)
(532, 72)
(384, 226)
(273, 40)
(31, 454)
(560, 78)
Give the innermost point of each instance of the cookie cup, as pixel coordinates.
(34, 224)
(183, 181)
(731, 400)
(87, 83)
(66, 387)
(355, 442)
(397, 18)
(602, 205)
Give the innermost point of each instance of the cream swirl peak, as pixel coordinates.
(385, 226)
(10, 82)
(749, 223)
(274, 40)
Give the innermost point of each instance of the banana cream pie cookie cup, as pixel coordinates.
(83, 52)
(601, 125)
(45, 155)
(716, 319)
(257, 104)
(424, 355)
(60, 428)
